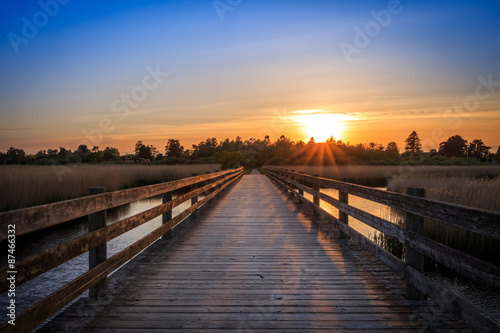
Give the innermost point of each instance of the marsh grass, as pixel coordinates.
(472, 186)
(28, 185)
(472, 190)
(370, 175)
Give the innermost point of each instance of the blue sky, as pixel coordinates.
(246, 74)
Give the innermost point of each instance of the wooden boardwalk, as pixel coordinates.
(254, 262)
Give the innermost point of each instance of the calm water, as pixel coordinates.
(368, 206)
(35, 290)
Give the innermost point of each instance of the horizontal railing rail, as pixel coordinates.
(417, 246)
(36, 218)
(40, 217)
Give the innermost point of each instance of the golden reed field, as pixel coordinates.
(30, 185)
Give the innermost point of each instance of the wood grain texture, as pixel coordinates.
(479, 221)
(38, 313)
(39, 217)
(473, 268)
(256, 262)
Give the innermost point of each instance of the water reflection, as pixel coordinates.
(32, 291)
(40, 287)
(374, 208)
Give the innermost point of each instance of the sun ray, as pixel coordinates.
(321, 126)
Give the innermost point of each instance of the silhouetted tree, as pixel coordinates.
(145, 152)
(497, 155)
(41, 154)
(205, 148)
(231, 160)
(392, 147)
(111, 154)
(392, 150)
(284, 142)
(82, 153)
(413, 143)
(173, 148)
(52, 153)
(62, 152)
(478, 149)
(455, 146)
(15, 155)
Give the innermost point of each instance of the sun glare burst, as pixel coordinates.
(321, 126)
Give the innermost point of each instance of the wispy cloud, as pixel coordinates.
(17, 129)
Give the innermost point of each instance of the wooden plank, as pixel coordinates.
(40, 263)
(367, 244)
(452, 303)
(36, 314)
(167, 216)
(269, 269)
(479, 221)
(473, 268)
(414, 258)
(98, 254)
(35, 218)
(474, 317)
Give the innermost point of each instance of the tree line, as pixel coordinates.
(257, 152)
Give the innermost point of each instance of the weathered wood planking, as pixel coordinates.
(40, 263)
(473, 268)
(478, 271)
(256, 262)
(480, 221)
(35, 218)
(38, 313)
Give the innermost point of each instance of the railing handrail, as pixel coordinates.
(37, 264)
(35, 218)
(412, 269)
(479, 221)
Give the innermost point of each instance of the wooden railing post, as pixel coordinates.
(292, 178)
(99, 254)
(207, 182)
(344, 198)
(194, 199)
(301, 192)
(285, 175)
(166, 197)
(414, 259)
(316, 188)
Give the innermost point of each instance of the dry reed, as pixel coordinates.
(27, 185)
(478, 191)
(365, 173)
(473, 186)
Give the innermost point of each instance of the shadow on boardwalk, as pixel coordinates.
(253, 261)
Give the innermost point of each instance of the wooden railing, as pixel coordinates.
(416, 245)
(40, 217)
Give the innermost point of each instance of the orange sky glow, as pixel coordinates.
(114, 75)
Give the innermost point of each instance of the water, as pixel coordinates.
(42, 286)
(35, 290)
(368, 206)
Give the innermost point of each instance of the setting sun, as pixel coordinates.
(321, 126)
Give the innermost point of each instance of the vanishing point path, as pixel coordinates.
(254, 261)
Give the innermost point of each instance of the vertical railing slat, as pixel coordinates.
(413, 258)
(166, 197)
(99, 254)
